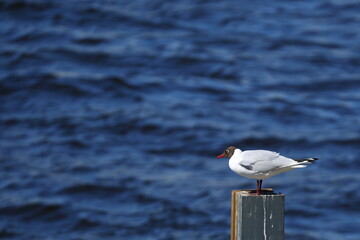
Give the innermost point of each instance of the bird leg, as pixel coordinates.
(258, 186)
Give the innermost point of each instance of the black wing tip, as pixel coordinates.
(310, 160)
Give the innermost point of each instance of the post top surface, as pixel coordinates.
(264, 192)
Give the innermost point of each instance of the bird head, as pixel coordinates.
(229, 151)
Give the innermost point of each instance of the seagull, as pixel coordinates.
(261, 164)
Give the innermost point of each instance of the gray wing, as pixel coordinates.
(263, 161)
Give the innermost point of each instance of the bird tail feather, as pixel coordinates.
(298, 166)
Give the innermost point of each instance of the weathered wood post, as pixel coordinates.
(257, 217)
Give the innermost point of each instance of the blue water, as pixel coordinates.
(112, 114)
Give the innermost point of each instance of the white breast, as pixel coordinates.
(234, 165)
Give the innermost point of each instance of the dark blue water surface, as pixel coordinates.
(112, 114)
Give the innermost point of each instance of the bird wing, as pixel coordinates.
(263, 160)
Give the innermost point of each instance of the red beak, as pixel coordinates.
(221, 156)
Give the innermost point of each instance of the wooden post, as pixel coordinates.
(257, 217)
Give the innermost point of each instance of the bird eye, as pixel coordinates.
(227, 151)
